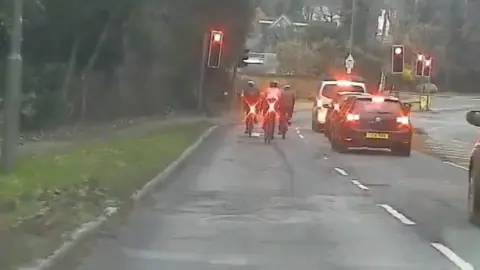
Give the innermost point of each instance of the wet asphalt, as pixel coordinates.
(295, 204)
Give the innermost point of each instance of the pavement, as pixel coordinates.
(295, 204)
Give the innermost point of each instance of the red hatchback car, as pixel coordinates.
(373, 122)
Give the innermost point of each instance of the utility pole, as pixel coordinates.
(384, 25)
(201, 81)
(352, 26)
(13, 88)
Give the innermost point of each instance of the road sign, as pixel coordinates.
(349, 63)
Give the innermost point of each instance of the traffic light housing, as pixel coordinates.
(427, 67)
(419, 64)
(242, 62)
(398, 58)
(215, 48)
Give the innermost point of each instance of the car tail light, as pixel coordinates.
(403, 120)
(353, 117)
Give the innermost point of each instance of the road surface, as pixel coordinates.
(240, 204)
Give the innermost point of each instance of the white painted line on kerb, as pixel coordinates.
(397, 214)
(456, 165)
(454, 258)
(341, 171)
(359, 185)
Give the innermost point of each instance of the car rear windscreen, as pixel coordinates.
(368, 106)
(331, 90)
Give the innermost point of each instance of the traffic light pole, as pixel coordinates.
(352, 27)
(13, 92)
(203, 66)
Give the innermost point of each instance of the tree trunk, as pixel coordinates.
(70, 70)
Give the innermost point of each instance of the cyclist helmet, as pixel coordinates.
(274, 84)
(287, 87)
(251, 83)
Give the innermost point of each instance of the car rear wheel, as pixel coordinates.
(326, 131)
(337, 144)
(473, 200)
(316, 127)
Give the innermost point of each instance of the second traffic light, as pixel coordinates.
(427, 67)
(398, 58)
(419, 65)
(215, 48)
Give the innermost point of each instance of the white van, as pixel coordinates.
(326, 92)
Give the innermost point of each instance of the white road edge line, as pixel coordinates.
(301, 136)
(397, 214)
(341, 171)
(359, 185)
(454, 258)
(456, 165)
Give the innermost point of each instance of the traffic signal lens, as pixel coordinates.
(428, 62)
(420, 57)
(217, 37)
(398, 50)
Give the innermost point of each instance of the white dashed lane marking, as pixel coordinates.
(403, 219)
(454, 258)
(341, 171)
(359, 185)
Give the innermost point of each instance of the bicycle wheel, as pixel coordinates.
(283, 129)
(250, 126)
(268, 131)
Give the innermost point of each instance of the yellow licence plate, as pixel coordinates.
(373, 135)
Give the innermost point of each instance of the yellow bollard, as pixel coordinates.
(425, 102)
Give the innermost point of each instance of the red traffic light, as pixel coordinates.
(427, 68)
(215, 49)
(398, 59)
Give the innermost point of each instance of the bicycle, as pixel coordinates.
(269, 121)
(250, 119)
(283, 126)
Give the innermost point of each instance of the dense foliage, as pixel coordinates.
(104, 59)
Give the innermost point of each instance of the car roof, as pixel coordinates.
(353, 78)
(352, 93)
(354, 83)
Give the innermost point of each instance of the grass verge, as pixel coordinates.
(49, 195)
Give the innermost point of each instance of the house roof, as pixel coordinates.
(282, 21)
